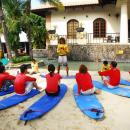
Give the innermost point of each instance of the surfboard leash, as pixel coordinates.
(97, 111)
(29, 111)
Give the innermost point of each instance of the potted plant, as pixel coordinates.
(52, 31)
(80, 28)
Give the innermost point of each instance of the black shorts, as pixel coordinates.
(53, 94)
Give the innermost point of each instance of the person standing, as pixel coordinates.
(62, 51)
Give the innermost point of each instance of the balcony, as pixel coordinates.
(89, 38)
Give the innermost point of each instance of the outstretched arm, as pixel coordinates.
(43, 75)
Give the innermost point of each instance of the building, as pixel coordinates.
(97, 25)
(23, 44)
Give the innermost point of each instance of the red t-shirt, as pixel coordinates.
(52, 82)
(84, 82)
(5, 76)
(114, 76)
(20, 82)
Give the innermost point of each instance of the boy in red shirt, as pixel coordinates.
(23, 84)
(53, 80)
(113, 75)
(5, 77)
(84, 82)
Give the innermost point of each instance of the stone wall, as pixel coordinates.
(39, 53)
(94, 52)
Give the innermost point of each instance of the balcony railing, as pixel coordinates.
(88, 38)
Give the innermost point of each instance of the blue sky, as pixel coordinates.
(35, 3)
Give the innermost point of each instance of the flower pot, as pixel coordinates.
(80, 29)
(52, 31)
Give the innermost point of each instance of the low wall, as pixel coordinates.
(39, 53)
(93, 52)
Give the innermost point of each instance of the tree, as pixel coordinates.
(16, 17)
(2, 2)
(38, 34)
(27, 7)
(12, 11)
(11, 14)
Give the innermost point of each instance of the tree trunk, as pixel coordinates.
(29, 41)
(6, 40)
(0, 44)
(5, 33)
(29, 30)
(0, 49)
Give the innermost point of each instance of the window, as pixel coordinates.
(99, 28)
(71, 28)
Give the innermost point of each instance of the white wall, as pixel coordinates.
(93, 12)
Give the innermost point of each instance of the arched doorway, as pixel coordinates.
(71, 28)
(99, 28)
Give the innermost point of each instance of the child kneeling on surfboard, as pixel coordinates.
(6, 80)
(23, 84)
(111, 78)
(53, 80)
(105, 66)
(84, 82)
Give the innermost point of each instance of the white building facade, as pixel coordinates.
(103, 22)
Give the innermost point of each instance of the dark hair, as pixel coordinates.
(105, 62)
(83, 69)
(114, 64)
(51, 69)
(23, 68)
(33, 60)
(62, 40)
(2, 69)
(1, 63)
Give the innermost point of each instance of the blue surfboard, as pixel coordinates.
(124, 82)
(43, 105)
(11, 90)
(89, 105)
(125, 92)
(68, 77)
(16, 99)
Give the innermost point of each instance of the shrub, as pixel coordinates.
(21, 59)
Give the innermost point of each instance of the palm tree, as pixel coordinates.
(56, 3)
(11, 10)
(5, 29)
(13, 14)
(11, 18)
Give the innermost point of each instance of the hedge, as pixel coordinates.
(21, 59)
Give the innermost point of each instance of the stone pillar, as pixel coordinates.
(48, 27)
(48, 21)
(124, 23)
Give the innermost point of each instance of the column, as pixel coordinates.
(124, 24)
(48, 27)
